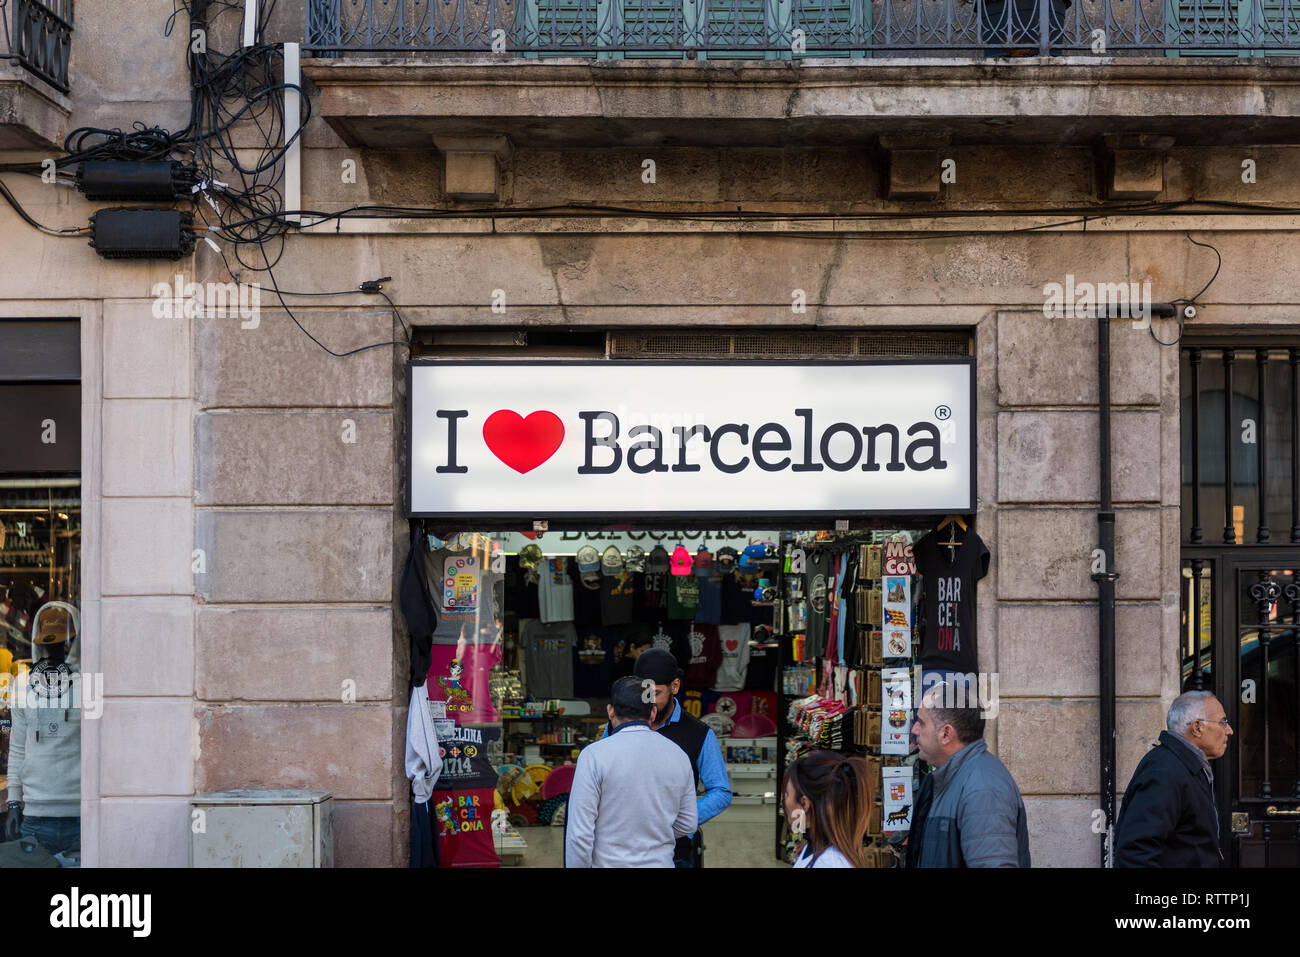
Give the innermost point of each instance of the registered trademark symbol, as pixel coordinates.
(942, 413)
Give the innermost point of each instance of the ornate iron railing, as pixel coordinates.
(38, 34)
(784, 29)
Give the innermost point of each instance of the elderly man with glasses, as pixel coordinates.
(1169, 817)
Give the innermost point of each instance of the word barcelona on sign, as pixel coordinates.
(561, 439)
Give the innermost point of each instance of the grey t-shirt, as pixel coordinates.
(817, 570)
(548, 657)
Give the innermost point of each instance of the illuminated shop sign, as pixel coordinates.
(570, 439)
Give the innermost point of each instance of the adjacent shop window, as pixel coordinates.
(40, 587)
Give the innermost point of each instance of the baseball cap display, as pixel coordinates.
(726, 556)
(754, 725)
(589, 566)
(703, 558)
(530, 556)
(658, 560)
(634, 559)
(681, 561)
(55, 624)
(611, 561)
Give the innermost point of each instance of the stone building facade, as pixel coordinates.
(240, 561)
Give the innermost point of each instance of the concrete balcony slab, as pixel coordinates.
(404, 102)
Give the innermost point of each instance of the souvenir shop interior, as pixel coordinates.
(787, 641)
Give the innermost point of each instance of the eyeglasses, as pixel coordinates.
(1222, 721)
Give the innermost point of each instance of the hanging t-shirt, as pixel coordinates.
(693, 703)
(462, 819)
(459, 676)
(736, 601)
(737, 704)
(949, 605)
(586, 598)
(548, 657)
(521, 593)
(817, 569)
(466, 595)
(683, 596)
(617, 597)
(465, 761)
(734, 640)
(663, 640)
(653, 599)
(761, 672)
(704, 656)
(554, 591)
(593, 660)
(709, 609)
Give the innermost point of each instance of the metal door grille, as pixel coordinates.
(786, 344)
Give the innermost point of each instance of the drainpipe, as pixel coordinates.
(1105, 579)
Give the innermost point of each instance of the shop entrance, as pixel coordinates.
(574, 513)
(1241, 586)
(782, 638)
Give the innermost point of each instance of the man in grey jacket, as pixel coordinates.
(968, 810)
(633, 792)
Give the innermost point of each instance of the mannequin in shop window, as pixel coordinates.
(44, 775)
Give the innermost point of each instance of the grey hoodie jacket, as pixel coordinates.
(45, 756)
(976, 817)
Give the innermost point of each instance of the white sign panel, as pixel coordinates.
(556, 439)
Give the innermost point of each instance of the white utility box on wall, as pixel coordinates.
(250, 828)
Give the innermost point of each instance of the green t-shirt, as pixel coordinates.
(683, 596)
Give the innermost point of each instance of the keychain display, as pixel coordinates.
(896, 797)
(895, 729)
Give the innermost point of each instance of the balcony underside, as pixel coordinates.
(402, 103)
(33, 115)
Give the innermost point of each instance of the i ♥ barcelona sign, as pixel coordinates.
(557, 439)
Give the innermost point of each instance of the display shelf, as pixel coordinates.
(555, 715)
(751, 770)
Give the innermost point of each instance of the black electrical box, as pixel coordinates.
(116, 180)
(142, 233)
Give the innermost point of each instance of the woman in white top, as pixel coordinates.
(827, 799)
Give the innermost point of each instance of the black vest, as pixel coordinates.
(688, 734)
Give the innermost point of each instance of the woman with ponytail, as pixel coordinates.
(828, 799)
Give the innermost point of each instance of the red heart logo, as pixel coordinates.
(732, 644)
(523, 443)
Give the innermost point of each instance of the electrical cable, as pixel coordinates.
(245, 88)
(1178, 313)
(66, 232)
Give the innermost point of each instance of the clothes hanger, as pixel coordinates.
(956, 520)
(952, 522)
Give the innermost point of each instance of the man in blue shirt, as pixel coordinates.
(695, 738)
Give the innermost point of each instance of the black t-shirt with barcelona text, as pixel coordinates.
(949, 575)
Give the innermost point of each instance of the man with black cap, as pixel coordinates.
(695, 738)
(633, 795)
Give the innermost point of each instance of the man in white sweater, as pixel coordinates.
(633, 792)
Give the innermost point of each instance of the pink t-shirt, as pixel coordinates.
(459, 676)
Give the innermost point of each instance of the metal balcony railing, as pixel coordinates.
(38, 34)
(785, 29)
